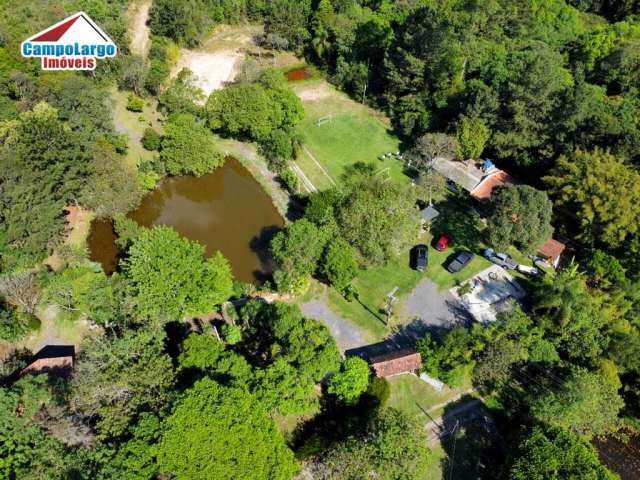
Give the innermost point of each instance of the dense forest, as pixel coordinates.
(549, 89)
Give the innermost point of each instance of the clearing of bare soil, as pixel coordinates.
(220, 58)
(212, 70)
(313, 92)
(138, 29)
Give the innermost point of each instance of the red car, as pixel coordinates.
(443, 243)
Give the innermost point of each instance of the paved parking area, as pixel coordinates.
(347, 334)
(493, 290)
(432, 307)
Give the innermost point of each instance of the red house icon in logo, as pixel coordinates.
(72, 44)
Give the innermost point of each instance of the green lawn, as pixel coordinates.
(445, 280)
(355, 133)
(373, 286)
(133, 124)
(417, 399)
(414, 397)
(375, 283)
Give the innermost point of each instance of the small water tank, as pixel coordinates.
(487, 165)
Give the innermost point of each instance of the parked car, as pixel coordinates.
(443, 243)
(533, 271)
(461, 260)
(501, 259)
(421, 253)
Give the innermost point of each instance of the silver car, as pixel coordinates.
(501, 259)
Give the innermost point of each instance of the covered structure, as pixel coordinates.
(427, 215)
(56, 359)
(396, 363)
(551, 251)
(477, 178)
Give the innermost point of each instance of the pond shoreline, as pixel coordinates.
(227, 210)
(250, 159)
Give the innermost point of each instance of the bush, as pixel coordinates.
(340, 264)
(15, 325)
(231, 334)
(158, 73)
(380, 389)
(134, 103)
(290, 181)
(278, 145)
(151, 139)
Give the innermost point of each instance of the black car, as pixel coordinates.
(460, 261)
(421, 253)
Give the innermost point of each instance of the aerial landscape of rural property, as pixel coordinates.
(320, 239)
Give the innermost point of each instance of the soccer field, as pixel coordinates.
(348, 133)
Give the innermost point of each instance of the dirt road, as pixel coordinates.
(138, 30)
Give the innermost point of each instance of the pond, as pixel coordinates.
(226, 210)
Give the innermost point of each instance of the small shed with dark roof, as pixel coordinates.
(396, 363)
(429, 214)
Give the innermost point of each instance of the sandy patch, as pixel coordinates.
(211, 70)
(313, 93)
(139, 31)
(77, 226)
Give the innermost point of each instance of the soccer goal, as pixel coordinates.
(323, 120)
(384, 174)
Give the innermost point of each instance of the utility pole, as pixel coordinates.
(391, 299)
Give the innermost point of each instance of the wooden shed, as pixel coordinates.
(396, 363)
(57, 359)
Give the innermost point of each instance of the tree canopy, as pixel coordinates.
(170, 277)
(222, 432)
(188, 147)
(556, 454)
(520, 215)
(602, 190)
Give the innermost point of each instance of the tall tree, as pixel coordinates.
(583, 403)
(42, 166)
(556, 454)
(351, 381)
(170, 277)
(602, 191)
(520, 215)
(188, 147)
(117, 379)
(379, 219)
(391, 446)
(219, 432)
(471, 137)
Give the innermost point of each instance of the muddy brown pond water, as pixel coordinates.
(226, 210)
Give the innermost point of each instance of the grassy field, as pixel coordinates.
(133, 124)
(354, 133)
(373, 286)
(417, 399)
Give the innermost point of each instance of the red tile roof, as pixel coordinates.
(51, 358)
(552, 249)
(482, 191)
(401, 361)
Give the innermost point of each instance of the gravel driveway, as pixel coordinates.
(434, 308)
(345, 332)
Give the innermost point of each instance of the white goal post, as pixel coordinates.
(323, 120)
